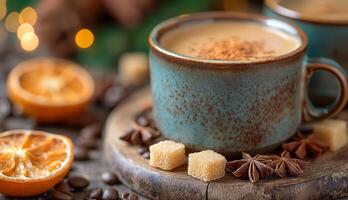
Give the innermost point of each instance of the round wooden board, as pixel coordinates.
(326, 177)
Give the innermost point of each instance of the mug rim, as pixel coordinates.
(171, 23)
(276, 7)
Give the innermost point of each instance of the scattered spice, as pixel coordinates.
(303, 146)
(254, 168)
(95, 194)
(140, 135)
(284, 165)
(232, 49)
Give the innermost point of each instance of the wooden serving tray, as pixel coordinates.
(324, 178)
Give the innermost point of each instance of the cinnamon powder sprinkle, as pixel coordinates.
(231, 49)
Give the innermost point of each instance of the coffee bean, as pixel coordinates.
(62, 191)
(110, 178)
(91, 131)
(110, 194)
(133, 197)
(143, 121)
(59, 195)
(146, 155)
(102, 86)
(5, 108)
(78, 182)
(125, 195)
(81, 154)
(63, 186)
(114, 95)
(95, 194)
(88, 143)
(142, 150)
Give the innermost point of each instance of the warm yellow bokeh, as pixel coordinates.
(29, 41)
(28, 15)
(12, 21)
(84, 38)
(3, 9)
(24, 28)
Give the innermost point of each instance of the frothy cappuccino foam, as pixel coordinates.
(232, 41)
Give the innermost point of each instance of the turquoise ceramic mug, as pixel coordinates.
(234, 106)
(326, 24)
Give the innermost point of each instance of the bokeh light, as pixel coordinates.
(28, 15)
(3, 9)
(84, 38)
(24, 28)
(29, 41)
(12, 21)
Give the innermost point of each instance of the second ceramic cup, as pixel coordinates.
(326, 24)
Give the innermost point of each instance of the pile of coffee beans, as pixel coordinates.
(68, 188)
(86, 141)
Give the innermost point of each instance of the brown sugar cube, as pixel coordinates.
(206, 165)
(167, 155)
(332, 132)
(133, 68)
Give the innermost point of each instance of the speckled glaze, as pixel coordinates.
(227, 106)
(326, 39)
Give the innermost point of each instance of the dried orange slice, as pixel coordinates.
(50, 89)
(31, 162)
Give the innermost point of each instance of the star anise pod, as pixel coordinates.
(253, 168)
(140, 135)
(284, 165)
(303, 146)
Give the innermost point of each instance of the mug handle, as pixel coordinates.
(309, 111)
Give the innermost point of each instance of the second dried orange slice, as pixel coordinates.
(31, 162)
(50, 89)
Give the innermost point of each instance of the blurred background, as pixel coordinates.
(93, 33)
